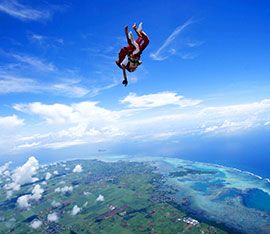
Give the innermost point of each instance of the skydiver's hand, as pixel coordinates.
(126, 29)
(125, 82)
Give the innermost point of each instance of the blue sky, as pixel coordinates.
(205, 73)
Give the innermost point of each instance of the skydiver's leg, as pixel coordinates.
(136, 47)
(142, 37)
(145, 41)
(129, 38)
(137, 30)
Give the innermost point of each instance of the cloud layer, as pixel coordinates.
(153, 116)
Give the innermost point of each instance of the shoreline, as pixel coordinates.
(123, 157)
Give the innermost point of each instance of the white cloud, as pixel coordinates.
(94, 91)
(52, 217)
(158, 55)
(267, 123)
(11, 84)
(55, 204)
(158, 99)
(100, 198)
(83, 112)
(24, 174)
(65, 189)
(35, 224)
(253, 107)
(23, 12)
(12, 121)
(194, 43)
(77, 168)
(4, 168)
(48, 175)
(27, 145)
(14, 84)
(46, 41)
(75, 210)
(34, 62)
(23, 201)
(37, 192)
(63, 144)
(85, 204)
(70, 89)
(229, 126)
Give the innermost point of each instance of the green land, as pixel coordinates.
(135, 201)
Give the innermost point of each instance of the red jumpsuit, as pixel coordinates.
(142, 41)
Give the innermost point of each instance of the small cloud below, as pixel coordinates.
(52, 217)
(64, 190)
(4, 169)
(77, 168)
(100, 198)
(35, 224)
(55, 204)
(48, 175)
(24, 174)
(76, 210)
(23, 201)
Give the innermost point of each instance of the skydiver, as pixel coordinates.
(129, 56)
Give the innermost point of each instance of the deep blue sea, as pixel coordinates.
(249, 151)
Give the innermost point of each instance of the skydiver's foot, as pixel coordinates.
(118, 64)
(139, 29)
(139, 62)
(134, 26)
(125, 82)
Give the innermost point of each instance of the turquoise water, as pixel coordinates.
(239, 200)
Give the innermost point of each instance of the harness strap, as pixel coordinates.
(133, 60)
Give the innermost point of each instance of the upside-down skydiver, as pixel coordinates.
(129, 56)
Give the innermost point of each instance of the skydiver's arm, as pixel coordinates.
(124, 74)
